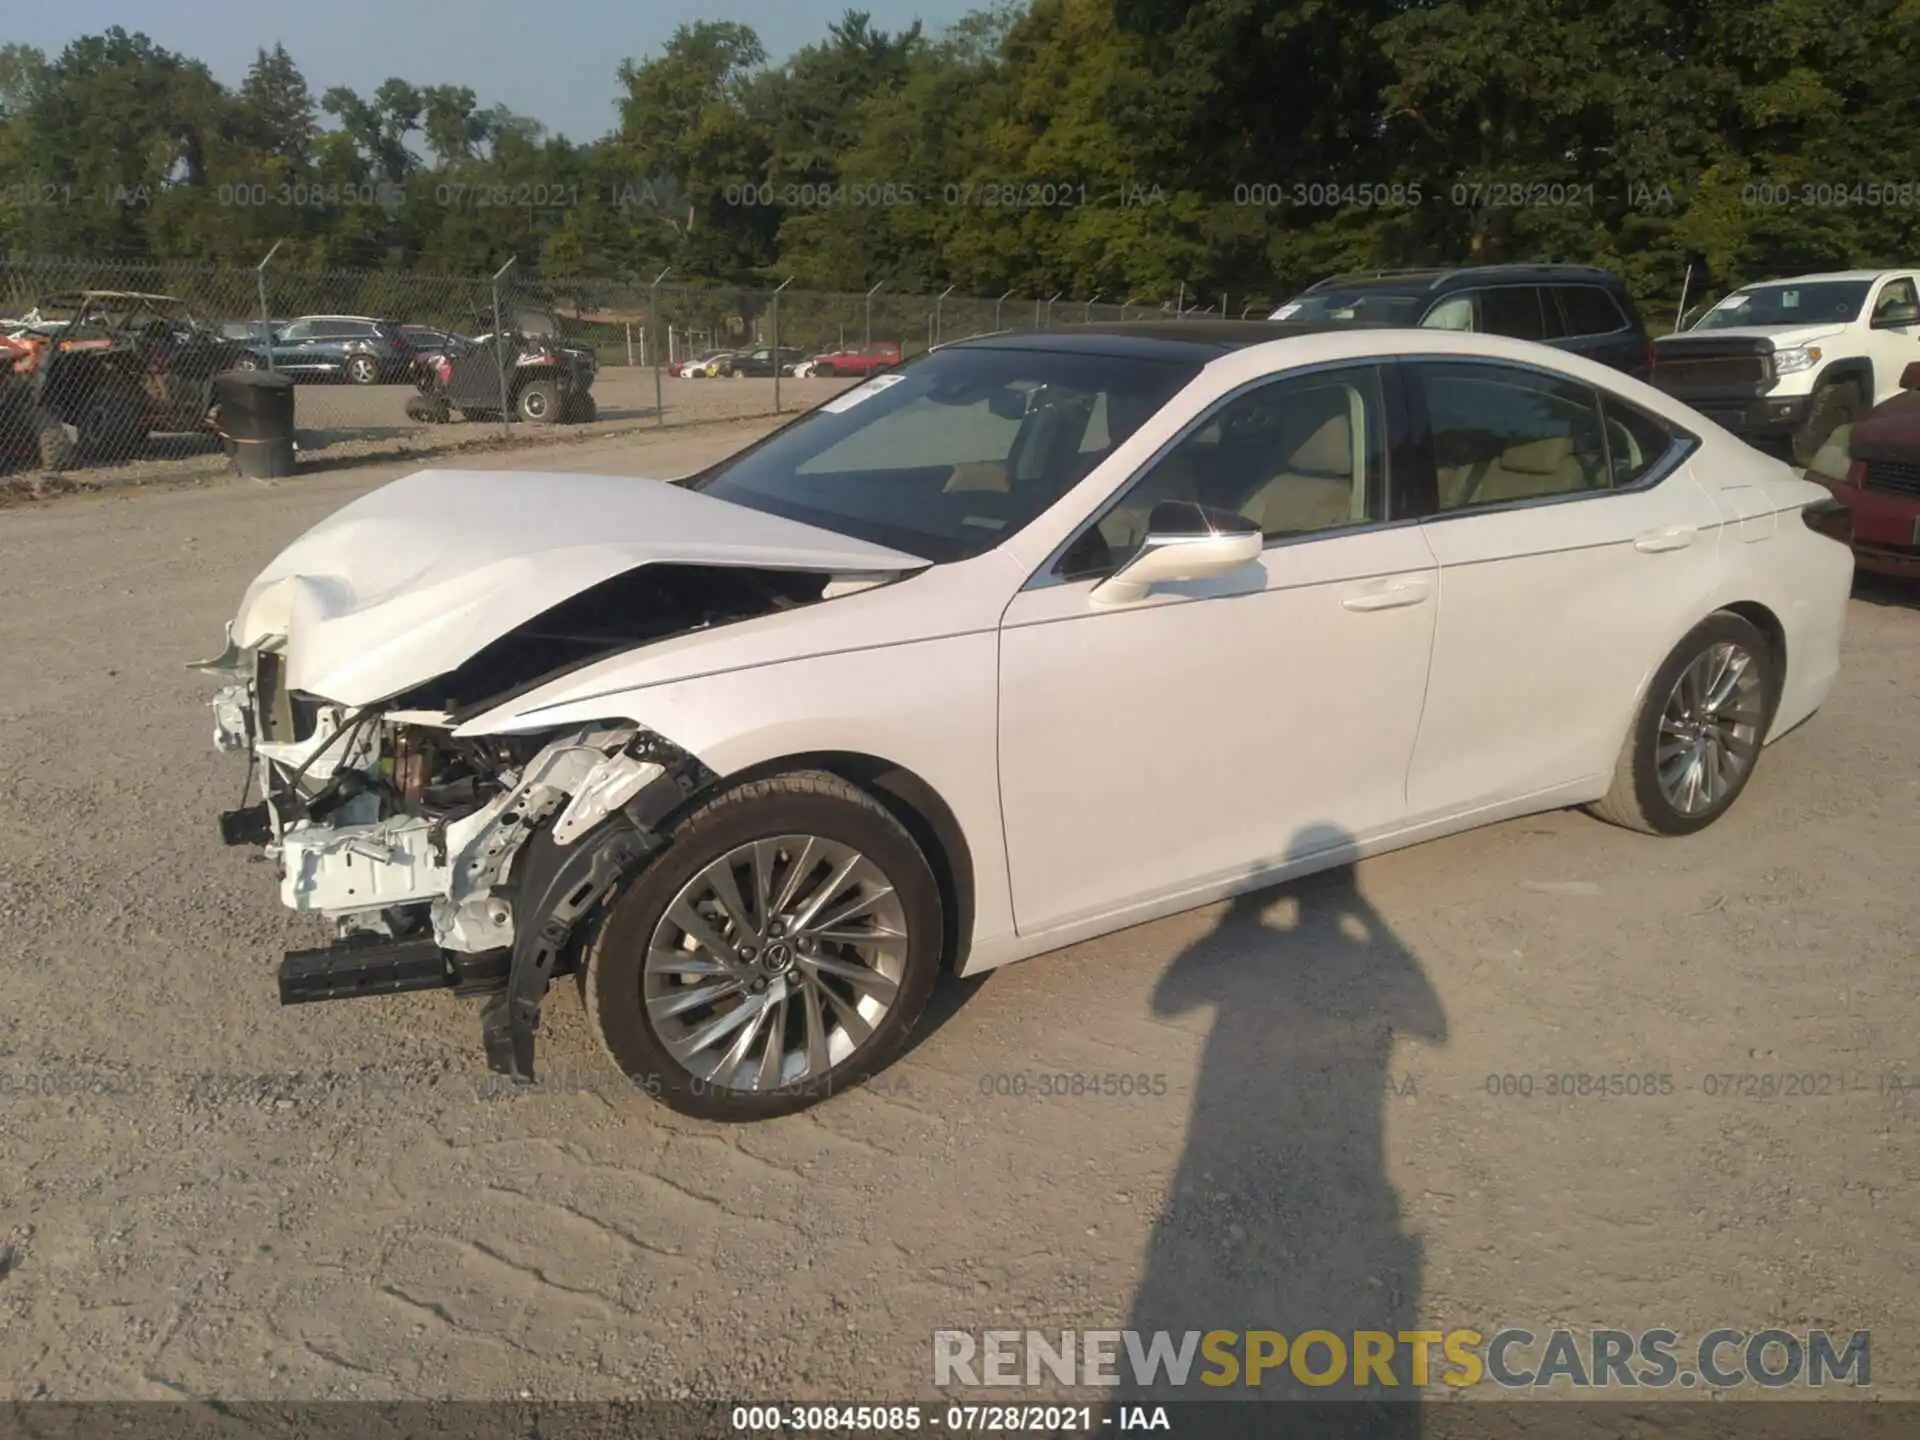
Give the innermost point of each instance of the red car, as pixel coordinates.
(859, 360)
(1882, 485)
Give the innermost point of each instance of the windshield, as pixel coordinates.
(1824, 302)
(1353, 307)
(952, 453)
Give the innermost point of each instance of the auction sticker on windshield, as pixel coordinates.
(863, 392)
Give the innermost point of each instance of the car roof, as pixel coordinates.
(67, 297)
(1192, 340)
(1843, 275)
(1422, 281)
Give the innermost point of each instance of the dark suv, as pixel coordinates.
(1578, 308)
(340, 347)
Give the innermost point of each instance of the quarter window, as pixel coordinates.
(1295, 456)
(1636, 442)
(1502, 434)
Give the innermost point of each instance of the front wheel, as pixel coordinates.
(539, 402)
(362, 370)
(1698, 733)
(779, 950)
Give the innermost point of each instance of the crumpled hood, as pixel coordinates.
(414, 578)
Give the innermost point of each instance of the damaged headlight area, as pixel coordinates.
(441, 861)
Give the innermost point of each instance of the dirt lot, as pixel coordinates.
(204, 1194)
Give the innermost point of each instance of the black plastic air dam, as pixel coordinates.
(371, 965)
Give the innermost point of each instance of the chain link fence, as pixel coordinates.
(105, 363)
(114, 362)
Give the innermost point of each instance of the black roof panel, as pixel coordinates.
(1198, 340)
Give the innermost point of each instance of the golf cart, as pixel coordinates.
(546, 381)
(112, 366)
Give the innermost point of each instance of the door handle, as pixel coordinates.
(1390, 597)
(1675, 537)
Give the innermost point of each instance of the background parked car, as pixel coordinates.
(1578, 308)
(704, 367)
(764, 361)
(358, 348)
(861, 360)
(1882, 484)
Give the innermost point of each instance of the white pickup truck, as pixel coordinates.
(1796, 359)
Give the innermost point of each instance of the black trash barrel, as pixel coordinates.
(256, 417)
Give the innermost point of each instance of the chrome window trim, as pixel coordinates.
(1683, 445)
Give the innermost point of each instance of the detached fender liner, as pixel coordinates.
(564, 894)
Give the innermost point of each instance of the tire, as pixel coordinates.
(825, 372)
(581, 410)
(1833, 406)
(55, 446)
(246, 362)
(538, 402)
(429, 409)
(110, 426)
(801, 810)
(803, 371)
(363, 370)
(1638, 799)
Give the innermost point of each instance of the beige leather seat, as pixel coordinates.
(1314, 486)
(1520, 472)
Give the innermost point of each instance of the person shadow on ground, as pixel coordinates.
(1282, 1215)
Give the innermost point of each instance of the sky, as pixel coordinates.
(551, 59)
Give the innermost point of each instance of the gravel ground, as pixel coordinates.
(203, 1194)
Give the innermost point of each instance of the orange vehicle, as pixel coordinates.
(106, 368)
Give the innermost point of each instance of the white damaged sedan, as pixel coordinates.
(1033, 638)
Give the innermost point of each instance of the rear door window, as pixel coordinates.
(1512, 310)
(1591, 310)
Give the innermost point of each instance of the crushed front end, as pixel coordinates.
(438, 861)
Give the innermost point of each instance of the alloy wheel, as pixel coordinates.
(1710, 728)
(775, 963)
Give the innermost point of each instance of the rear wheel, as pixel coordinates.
(430, 409)
(246, 362)
(1698, 733)
(779, 950)
(581, 410)
(825, 371)
(539, 402)
(362, 370)
(52, 441)
(1832, 407)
